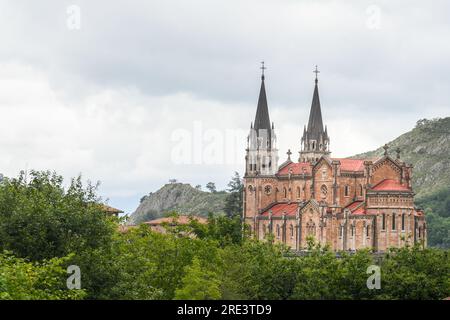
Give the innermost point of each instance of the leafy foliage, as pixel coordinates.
(222, 229)
(39, 219)
(211, 187)
(22, 280)
(198, 284)
(48, 228)
(233, 201)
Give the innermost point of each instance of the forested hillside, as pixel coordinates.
(427, 148)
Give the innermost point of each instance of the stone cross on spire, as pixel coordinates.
(289, 154)
(316, 71)
(262, 70)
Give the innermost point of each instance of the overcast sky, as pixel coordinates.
(134, 93)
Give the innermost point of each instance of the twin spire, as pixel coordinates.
(315, 140)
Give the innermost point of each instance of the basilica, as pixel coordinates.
(346, 203)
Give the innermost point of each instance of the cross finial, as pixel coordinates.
(289, 154)
(316, 71)
(262, 68)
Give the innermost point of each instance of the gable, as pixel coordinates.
(310, 206)
(385, 168)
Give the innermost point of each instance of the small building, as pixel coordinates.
(111, 211)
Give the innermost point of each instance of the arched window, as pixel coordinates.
(278, 230)
(383, 221)
(298, 192)
(360, 190)
(250, 188)
(420, 232)
(285, 192)
(341, 231)
(403, 221)
(393, 221)
(311, 228)
(353, 230)
(367, 231)
(323, 191)
(346, 191)
(291, 229)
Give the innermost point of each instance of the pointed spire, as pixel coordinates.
(315, 124)
(315, 141)
(262, 120)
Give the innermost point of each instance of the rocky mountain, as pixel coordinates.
(179, 197)
(427, 148)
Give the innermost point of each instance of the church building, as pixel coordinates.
(345, 203)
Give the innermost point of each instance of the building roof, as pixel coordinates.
(279, 208)
(390, 185)
(179, 220)
(111, 210)
(296, 168)
(351, 164)
(356, 207)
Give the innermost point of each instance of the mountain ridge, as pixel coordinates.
(179, 197)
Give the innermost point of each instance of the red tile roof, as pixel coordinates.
(360, 210)
(356, 207)
(390, 185)
(279, 208)
(297, 168)
(351, 164)
(353, 205)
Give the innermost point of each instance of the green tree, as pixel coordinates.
(198, 283)
(40, 219)
(415, 273)
(143, 264)
(257, 270)
(223, 229)
(211, 187)
(233, 202)
(22, 280)
(438, 230)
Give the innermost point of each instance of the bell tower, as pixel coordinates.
(315, 141)
(261, 154)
